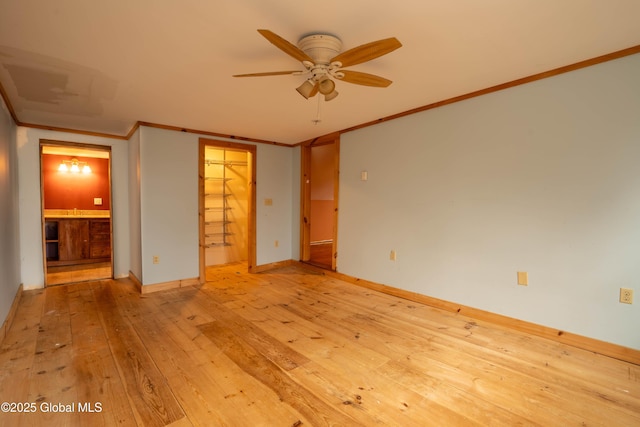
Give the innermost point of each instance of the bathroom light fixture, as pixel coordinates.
(74, 166)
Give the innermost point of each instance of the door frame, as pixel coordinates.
(73, 148)
(305, 196)
(251, 211)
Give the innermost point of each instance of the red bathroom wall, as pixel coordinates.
(66, 190)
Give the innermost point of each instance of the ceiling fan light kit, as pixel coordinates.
(331, 95)
(326, 86)
(305, 88)
(322, 61)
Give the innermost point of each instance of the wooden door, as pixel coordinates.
(73, 239)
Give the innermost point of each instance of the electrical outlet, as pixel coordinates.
(156, 259)
(626, 295)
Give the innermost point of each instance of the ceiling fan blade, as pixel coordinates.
(364, 79)
(269, 73)
(285, 46)
(367, 52)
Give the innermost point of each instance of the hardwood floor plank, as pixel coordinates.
(461, 332)
(98, 381)
(449, 396)
(295, 348)
(52, 379)
(391, 342)
(312, 407)
(304, 336)
(277, 352)
(17, 355)
(190, 383)
(211, 389)
(360, 387)
(58, 275)
(476, 340)
(515, 352)
(18, 348)
(499, 338)
(151, 398)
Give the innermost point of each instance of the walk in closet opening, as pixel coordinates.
(227, 200)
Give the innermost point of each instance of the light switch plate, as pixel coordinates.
(523, 278)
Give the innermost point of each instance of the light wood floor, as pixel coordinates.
(292, 348)
(58, 275)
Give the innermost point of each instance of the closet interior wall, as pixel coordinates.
(225, 206)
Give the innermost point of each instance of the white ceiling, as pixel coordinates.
(102, 66)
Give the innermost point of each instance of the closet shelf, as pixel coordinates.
(215, 245)
(218, 196)
(218, 222)
(223, 233)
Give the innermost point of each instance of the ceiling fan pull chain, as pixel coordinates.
(317, 119)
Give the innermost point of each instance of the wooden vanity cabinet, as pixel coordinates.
(77, 240)
(99, 238)
(73, 239)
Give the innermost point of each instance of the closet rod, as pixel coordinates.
(225, 162)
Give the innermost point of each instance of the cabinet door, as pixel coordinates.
(73, 239)
(99, 238)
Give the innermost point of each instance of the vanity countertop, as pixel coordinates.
(76, 213)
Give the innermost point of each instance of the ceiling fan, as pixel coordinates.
(320, 55)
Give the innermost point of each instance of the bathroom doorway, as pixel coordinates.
(76, 212)
(320, 187)
(227, 204)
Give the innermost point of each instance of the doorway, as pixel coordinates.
(76, 212)
(227, 204)
(320, 173)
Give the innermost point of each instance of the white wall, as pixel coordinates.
(542, 178)
(28, 142)
(169, 204)
(275, 181)
(9, 214)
